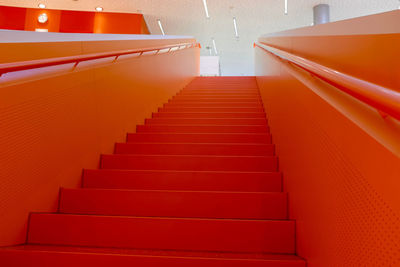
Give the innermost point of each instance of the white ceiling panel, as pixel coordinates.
(254, 18)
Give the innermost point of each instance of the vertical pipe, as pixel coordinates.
(321, 14)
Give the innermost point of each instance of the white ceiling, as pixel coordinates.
(254, 17)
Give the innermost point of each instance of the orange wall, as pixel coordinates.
(372, 57)
(32, 23)
(76, 21)
(56, 121)
(12, 18)
(20, 51)
(114, 22)
(72, 21)
(342, 183)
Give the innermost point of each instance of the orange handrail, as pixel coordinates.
(385, 100)
(40, 63)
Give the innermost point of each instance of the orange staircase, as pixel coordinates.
(197, 185)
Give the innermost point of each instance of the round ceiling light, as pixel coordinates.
(42, 6)
(99, 9)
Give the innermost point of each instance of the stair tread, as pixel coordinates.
(159, 253)
(184, 180)
(200, 234)
(194, 149)
(175, 203)
(201, 128)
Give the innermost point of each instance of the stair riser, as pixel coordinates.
(217, 100)
(62, 259)
(212, 109)
(162, 233)
(217, 205)
(194, 149)
(189, 163)
(221, 86)
(205, 121)
(199, 138)
(256, 129)
(220, 92)
(183, 180)
(213, 104)
(209, 115)
(218, 95)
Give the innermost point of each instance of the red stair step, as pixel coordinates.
(182, 204)
(212, 109)
(184, 94)
(212, 115)
(206, 121)
(217, 100)
(195, 149)
(65, 256)
(213, 104)
(190, 163)
(253, 236)
(224, 91)
(264, 138)
(183, 180)
(202, 129)
(221, 86)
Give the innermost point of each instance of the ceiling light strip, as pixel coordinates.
(214, 46)
(286, 7)
(236, 28)
(206, 8)
(161, 27)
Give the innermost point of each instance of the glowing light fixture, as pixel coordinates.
(161, 27)
(286, 7)
(42, 6)
(236, 28)
(206, 8)
(99, 9)
(214, 46)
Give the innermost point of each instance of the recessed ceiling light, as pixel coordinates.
(214, 46)
(206, 8)
(236, 28)
(99, 9)
(161, 27)
(286, 7)
(42, 6)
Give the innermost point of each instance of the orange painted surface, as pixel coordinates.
(16, 18)
(144, 27)
(371, 57)
(177, 200)
(51, 49)
(117, 23)
(342, 183)
(57, 121)
(12, 18)
(32, 23)
(77, 21)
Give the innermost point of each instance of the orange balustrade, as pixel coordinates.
(340, 175)
(56, 120)
(384, 99)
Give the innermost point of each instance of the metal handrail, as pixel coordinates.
(385, 100)
(40, 63)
